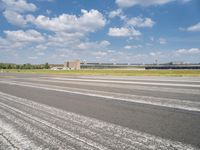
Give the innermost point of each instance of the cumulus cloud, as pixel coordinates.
(69, 31)
(100, 53)
(188, 51)
(93, 45)
(130, 3)
(62, 39)
(14, 11)
(123, 32)
(19, 6)
(117, 13)
(132, 46)
(19, 41)
(104, 43)
(141, 22)
(89, 21)
(128, 29)
(128, 47)
(15, 18)
(24, 36)
(194, 28)
(155, 54)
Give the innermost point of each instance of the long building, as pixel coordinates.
(173, 66)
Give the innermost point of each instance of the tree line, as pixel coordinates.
(24, 66)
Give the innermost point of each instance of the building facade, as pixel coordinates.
(73, 65)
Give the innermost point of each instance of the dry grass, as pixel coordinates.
(113, 72)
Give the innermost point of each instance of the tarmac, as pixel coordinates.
(99, 112)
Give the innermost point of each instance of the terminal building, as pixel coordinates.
(77, 64)
(72, 65)
(170, 67)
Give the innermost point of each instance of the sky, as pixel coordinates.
(108, 31)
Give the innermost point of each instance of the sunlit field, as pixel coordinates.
(113, 72)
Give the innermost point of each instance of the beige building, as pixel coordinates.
(74, 65)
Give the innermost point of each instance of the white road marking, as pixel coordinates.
(147, 78)
(131, 82)
(46, 120)
(164, 102)
(128, 86)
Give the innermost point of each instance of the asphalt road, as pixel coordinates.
(99, 112)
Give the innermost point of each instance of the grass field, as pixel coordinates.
(113, 72)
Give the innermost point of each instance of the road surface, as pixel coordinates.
(99, 112)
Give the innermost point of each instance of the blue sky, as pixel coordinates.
(117, 31)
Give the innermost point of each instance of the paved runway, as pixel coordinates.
(99, 112)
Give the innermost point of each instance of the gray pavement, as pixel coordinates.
(98, 112)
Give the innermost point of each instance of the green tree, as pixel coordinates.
(9, 66)
(46, 66)
(17, 66)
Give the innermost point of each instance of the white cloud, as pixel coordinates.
(132, 46)
(74, 42)
(70, 31)
(128, 29)
(128, 47)
(14, 11)
(104, 43)
(123, 32)
(40, 47)
(100, 53)
(117, 13)
(63, 38)
(194, 28)
(19, 6)
(188, 51)
(93, 45)
(24, 36)
(130, 3)
(155, 54)
(15, 18)
(162, 41)
(89, 21)
(141, 22)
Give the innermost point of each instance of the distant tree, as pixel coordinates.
(1, 65)
(46, 66)
(24, 66)
(17, 66)
(9, 66)
(28, 66)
